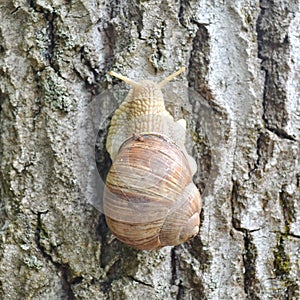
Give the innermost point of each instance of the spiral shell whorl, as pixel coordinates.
(149, 180)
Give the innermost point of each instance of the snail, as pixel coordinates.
(150, 200)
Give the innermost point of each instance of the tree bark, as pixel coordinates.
(240, 95)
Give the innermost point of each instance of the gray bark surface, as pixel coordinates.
(240, 94)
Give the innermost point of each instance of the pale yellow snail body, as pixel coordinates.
(150, 200)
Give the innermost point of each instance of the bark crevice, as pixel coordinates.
(63, 269)
(251, 283)
(132, 278)
(287, 204)
(274, 44)
(249, 261)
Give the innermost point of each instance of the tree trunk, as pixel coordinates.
(240, 96)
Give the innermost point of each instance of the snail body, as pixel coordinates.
(150, 200)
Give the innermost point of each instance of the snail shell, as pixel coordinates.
(150, 200)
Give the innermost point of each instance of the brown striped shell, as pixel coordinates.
(150, 200)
